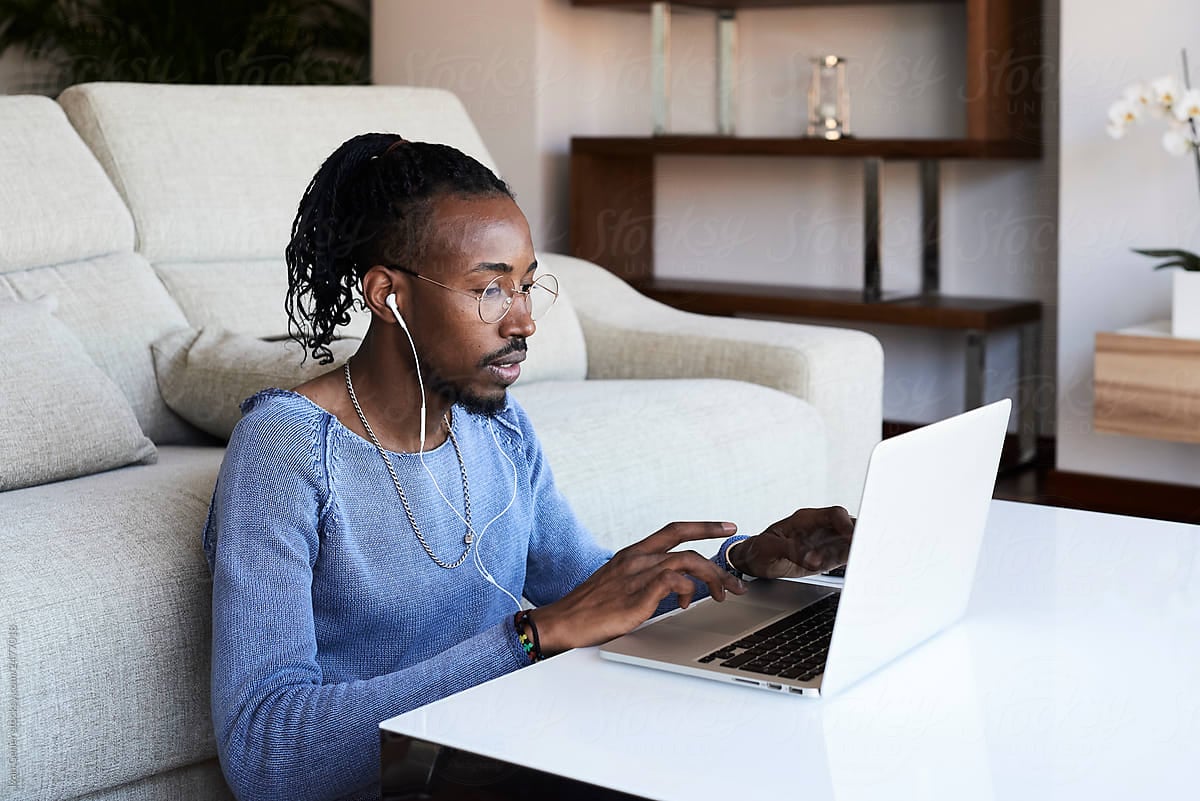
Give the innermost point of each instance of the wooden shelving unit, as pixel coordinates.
(613, 208)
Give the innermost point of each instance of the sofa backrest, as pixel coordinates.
(213, 175)
(64, 231)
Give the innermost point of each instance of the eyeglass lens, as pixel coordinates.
(500, 295)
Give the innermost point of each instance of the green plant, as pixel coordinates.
(190, 41)
(1177, 258)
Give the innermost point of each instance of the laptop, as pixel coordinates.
(908, 576)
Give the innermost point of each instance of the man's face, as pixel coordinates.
(473, 240)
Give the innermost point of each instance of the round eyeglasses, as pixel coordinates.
(501, 293)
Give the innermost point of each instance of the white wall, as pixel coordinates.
(1116, 195)
(534, 72)
(486, 53)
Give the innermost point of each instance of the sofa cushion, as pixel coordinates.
(106, 626)
(63, 417)
(255, 309)
(632, 456)
(202, 189)
(64, 230)
(56, 203)
(116, 307)
(205, 375)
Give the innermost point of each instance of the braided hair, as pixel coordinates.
(371, 202)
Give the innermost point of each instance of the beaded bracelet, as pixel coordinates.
(532, 648)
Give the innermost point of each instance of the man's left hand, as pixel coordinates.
(808, 541)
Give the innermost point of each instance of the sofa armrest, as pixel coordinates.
(838, 371)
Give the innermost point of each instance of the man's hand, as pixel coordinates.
(624, 593)
(807, 542)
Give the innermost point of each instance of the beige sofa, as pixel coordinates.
(143, 211)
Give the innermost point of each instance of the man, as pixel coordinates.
(346, 511)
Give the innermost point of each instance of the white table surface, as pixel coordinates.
(1075, 675)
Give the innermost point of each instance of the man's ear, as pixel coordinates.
(377, 284)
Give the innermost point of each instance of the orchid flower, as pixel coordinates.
(1176, 140)
(1188, 107)
(1121, 114)
(1179, 104)
(1166, 91)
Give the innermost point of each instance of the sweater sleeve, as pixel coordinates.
(281, 730)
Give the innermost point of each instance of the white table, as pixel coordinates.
(1075, 675)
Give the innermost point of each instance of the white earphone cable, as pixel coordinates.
(478, 537)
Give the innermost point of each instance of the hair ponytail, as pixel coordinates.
(320, 295)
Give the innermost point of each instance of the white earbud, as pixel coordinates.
(390, 302)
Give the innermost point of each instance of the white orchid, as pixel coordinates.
(1123, 112)
(1176, 141)
(1163, 98)
(1188, 107)
(1139, 94)
(1142, 97)
(1166, 91)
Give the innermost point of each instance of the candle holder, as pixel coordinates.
(828, 100)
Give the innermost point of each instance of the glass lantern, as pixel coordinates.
(828, 101)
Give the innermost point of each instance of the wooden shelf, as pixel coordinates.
(932, 311)
(1004, 59)
(1147, 384)
(896, 149)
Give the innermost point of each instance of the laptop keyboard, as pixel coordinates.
(794, 647)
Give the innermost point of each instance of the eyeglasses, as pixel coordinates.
(498, 296)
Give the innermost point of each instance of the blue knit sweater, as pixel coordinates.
(329, 617)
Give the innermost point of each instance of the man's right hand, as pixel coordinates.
(626, 591)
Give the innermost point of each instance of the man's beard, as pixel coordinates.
(460, 395)
(457, 393)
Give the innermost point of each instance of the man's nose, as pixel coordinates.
(518, 321)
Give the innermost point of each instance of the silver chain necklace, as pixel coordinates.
(469, 538)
